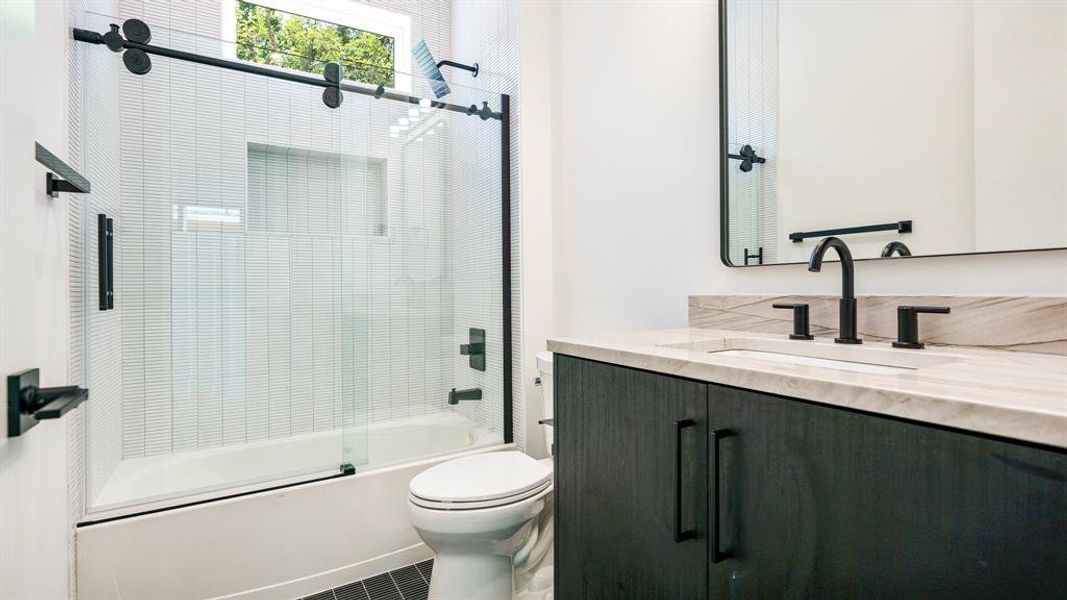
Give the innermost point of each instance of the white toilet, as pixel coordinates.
(485, 517)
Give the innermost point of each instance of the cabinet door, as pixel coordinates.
(820, 502)
(631, 475)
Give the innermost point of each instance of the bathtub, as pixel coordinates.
(276, 543)
(155, 482)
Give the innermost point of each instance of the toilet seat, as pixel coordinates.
(480, 481)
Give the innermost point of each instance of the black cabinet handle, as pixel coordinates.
(716, 475)
(679, 534)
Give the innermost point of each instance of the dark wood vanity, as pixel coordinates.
(674, 488)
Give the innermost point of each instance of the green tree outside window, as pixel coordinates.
(274, 37)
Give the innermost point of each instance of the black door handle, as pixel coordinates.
(716, 475)
(680, 535)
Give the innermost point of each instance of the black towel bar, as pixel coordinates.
(898, 226)
(62, 177)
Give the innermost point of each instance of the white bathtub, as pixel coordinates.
(155, 482)
(278, 543)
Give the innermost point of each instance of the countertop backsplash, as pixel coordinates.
(1018, 323)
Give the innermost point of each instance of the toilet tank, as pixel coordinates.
(544, 366)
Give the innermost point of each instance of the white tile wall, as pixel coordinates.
(103, 373)
(298, 317)
(753, 119)
(486, 32)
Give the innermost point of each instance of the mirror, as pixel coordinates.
(938, 124)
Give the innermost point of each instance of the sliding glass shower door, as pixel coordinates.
(235, 347)
(297, 279)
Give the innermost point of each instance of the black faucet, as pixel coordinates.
(469, 394)
(847, 321)
(896, 246)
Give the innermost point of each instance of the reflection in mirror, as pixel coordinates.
(906, 128)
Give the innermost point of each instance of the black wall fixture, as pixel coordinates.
(28, 403)
(449, 63)
(61, 177)
(105, 250)
(748, 157)
(898, 226)
(897, 247)
(757, 256)
(136, 51)
(474, 348)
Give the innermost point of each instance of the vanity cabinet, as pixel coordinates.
(811, 501)
(631, 494)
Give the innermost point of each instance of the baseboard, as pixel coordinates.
(318, 582)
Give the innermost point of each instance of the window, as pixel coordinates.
(371, 44)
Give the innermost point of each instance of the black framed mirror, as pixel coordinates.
(908, 129)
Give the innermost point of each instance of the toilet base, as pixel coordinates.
(471, 577)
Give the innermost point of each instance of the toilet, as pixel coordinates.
(487, 517)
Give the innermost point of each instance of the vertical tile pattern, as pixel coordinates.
(753, 115)
(103, 363)
(304, 314)
(490, 32)
(76, 223)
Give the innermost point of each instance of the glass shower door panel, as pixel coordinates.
(222, 365)
(430, 273)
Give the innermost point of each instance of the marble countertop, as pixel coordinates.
(1016, 395)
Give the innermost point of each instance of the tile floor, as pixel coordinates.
(407, 583)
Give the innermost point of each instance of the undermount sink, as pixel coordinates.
(855, 358)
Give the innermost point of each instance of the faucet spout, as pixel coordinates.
(847, 319)
(455, 395)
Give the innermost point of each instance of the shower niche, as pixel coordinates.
(292, 282)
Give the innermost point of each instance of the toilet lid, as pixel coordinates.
(481, 477)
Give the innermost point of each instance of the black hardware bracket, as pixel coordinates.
(474, 349)
(748, 157)
(136, 56)
(472, 68)
(899, 226)
(758, 256)
(28, 403)
(61, 176)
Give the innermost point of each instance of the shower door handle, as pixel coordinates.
(105, 251)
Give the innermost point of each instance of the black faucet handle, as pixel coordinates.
(908, 324)
(801, 322)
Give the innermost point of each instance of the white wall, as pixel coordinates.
(34, 298)
(636, 204)
(535, 104)
(635, 173)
